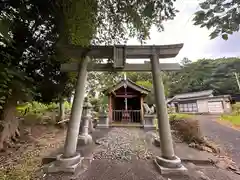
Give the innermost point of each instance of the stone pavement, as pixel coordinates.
(126, 154)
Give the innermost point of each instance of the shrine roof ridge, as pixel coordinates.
(131, 84)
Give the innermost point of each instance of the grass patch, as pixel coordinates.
(23, 171)
(233, 119)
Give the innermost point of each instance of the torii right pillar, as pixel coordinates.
(168, 162)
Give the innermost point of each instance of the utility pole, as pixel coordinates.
(237, 79)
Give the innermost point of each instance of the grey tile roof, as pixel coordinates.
(205, 93)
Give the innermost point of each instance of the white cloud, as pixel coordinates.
(197, 43)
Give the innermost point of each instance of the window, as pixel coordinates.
(188, 107)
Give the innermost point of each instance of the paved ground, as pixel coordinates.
(226, 137)
(126, 154)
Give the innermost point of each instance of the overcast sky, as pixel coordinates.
(197, 43)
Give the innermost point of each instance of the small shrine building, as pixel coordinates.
(125, 102)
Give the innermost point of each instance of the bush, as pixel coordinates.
(177, 116)
(188, 130)
(186, 127)
(236, 109)
(39, 113)
(171, 110)
(35, 108)
(68, 106)
(32, 119)
(46, 119)
(51, 107)
(40, 108)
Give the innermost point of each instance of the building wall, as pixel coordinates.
(188, 107)
(202, 106)
(205, 105)
(227, 107)
(215, 105)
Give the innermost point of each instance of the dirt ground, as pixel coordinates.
(117, 156)
(35, 143)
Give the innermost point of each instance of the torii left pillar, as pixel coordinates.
(70, 160)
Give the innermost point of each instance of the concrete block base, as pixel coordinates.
(102, 126)
(149, 127)
(149, 122)
(71, 165)
(85, 139)
(166, 166)
(103, 121)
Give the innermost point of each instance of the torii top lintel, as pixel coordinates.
(130, 51)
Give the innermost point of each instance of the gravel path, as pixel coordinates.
(126, 154)
(226, 137)
(123, 144)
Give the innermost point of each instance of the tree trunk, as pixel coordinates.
(61, 109)
(10, 123)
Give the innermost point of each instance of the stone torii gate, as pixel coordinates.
(70, 159)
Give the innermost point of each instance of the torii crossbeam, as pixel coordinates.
(168, 162)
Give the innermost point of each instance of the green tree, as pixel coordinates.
(107, 22)
(23, 60)
(139, 76)
(222, 17)
(38, 30)
(206, 74)
(185, 61)
(223, 80)
(149, 99)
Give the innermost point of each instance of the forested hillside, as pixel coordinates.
(206, 74)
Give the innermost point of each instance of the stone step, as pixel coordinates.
(138, 125)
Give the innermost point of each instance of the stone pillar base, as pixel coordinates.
(71, 165)
(166, 166)
(149, 121)
(85, 139)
